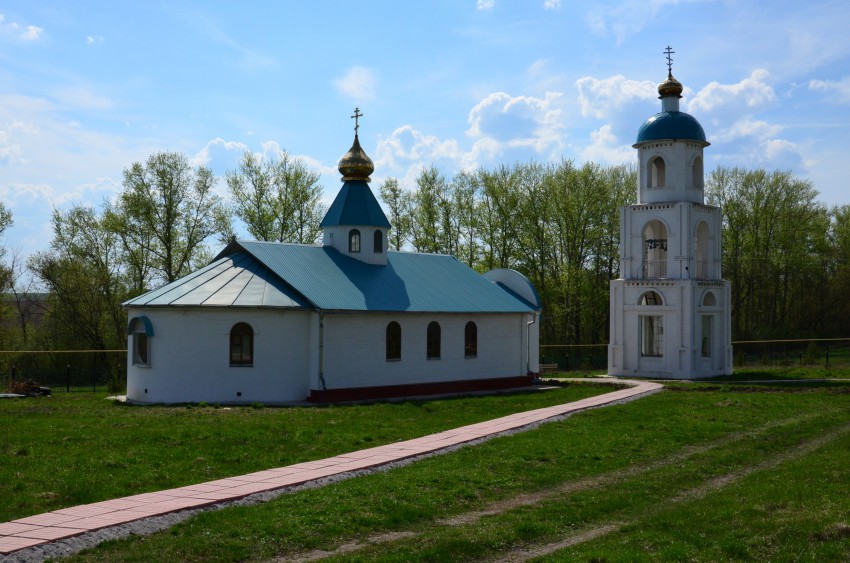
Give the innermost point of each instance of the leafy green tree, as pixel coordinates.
(278, 199)
(498, 201)
(464, 200)
(774, 237)
(398, 204)
(5, 271)
(427, 214)
(166, 213)
(83, 275)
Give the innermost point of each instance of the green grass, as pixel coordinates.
(786, 373)
(77, 448)
(705, 472)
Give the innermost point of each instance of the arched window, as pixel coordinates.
(379, 242)
(241, 345)
(703, 258)
(354, 240)
(709, 300)
(470, 340)
(393, 341)
(656, 173)
(655, 250)
(140, 331)
(650, 298)
(697, 171)
(433, 345)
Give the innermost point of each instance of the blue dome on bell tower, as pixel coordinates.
(670, 123)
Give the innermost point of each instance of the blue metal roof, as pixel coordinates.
(671, 125)
(408, 282)
(236, 280)
(268, 274)
(355, 204)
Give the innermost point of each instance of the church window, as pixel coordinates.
(393, 341)
(709, 300)
(433, 340)
(354, 240)
(241, 345)
(470, 340)
(706, 335)
(140, 331)
(379, 242)
(141, 349)
(657, 173)
(651, 336)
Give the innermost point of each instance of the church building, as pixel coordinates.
(348, 320)
(670, 310)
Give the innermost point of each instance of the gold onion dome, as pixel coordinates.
(670, 87)
(356, 164)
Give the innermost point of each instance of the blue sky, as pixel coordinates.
(87, 88)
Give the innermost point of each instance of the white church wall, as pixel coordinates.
(501, 349)
(189, 357)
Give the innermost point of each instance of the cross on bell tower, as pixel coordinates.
(356, 117)
(668, 51)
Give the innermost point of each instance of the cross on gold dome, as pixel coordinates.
(356, 117)
(668, 51)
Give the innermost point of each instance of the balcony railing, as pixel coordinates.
(655, 268)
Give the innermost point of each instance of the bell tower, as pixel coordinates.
(670, 314)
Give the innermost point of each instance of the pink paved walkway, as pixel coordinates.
(68, 522)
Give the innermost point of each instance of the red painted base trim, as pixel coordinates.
(436, 388)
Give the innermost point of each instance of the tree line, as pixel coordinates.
(786, 254)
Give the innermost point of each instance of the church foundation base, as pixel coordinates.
(416, 389)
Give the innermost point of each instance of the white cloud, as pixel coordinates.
(599, 98)
(407, 144)
(29, 33)
(499, 125)
(219, 155)
(750, 93)
(748, 128)
(625, 19)
(92, 39)
(32, 33)
(485, 4)
(358, 84)
(840, 88)
(520, 121)
(605, 147)
(551, 4)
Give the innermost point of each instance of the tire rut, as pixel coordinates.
(529, 499)
(695, 493)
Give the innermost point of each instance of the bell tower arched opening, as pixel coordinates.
(657, 173)
(697, 173)
(703, 252)
(655, 250)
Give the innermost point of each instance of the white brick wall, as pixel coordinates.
(190, 361)
(355, 349)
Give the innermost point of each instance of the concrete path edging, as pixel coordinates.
(68, 530)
